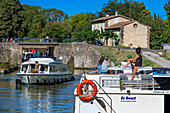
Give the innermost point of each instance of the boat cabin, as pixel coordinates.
(45, 66)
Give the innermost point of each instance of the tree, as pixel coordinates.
(156, 33)
(107, 35)
(127, 8)
(167, 8)
(57, 30)
(53, 15)
(36, 27)
(77, 20)
(10, 18)
(32, 21)
(82, 31)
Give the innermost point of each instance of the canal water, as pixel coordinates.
(37, 98)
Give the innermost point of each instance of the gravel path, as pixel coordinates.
(156, 58)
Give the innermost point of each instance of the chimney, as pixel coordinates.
(116, 13)
(107, 15)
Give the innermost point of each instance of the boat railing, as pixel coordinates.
(110, 105)
(140, 84)
(122, 82)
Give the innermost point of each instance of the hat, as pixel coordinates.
(129, 56)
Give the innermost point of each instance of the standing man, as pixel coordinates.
(48, 39)
(43, 37)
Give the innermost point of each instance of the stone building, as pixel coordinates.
(129, 31)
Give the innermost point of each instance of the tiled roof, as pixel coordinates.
(109, 17)
(119, 25)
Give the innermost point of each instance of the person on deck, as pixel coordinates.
(137, 60)
(36, 54)
(36, 67)
(99, 67)
(46, 53)
(106, 64)
(33, 50)
(129, 62)
(29, 50)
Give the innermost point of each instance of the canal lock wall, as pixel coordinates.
(10, 52)
(77, 55)
(10, 57)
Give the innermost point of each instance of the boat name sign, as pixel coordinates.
(128, 99)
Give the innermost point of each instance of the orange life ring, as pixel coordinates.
(87, 98)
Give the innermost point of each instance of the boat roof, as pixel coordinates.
(42, 60)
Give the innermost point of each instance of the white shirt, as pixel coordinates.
(106, 65)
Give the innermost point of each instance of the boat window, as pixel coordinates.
(32, 67)
(24, 67)
(62, 69)
(57, 68)
(53, 68)
(44, 68)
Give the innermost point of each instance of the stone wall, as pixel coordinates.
(76, 54)
(9, 52)
(82, 54)
(138, 36)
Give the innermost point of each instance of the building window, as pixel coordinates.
(102, 25)
(97, 26)
(135, 25)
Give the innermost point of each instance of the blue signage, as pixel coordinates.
(128, 99)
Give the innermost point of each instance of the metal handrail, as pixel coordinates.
(50, 40)
(107, 96)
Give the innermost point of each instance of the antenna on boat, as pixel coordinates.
(84, 70)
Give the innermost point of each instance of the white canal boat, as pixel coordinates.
(49, 71)
(117, 93)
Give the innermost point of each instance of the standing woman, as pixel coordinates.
(137, 60)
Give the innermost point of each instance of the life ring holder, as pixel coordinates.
(86, 98)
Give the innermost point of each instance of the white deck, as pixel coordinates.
(142, 95)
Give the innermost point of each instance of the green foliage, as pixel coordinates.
(127, 8)
(107, 35)
(10, 18)
(4, 65)
(77, 20)
(18, 20)
(34, 21)
(57, 29)
(38, 18)
(167, 8)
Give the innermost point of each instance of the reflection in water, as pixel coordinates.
(36, 98)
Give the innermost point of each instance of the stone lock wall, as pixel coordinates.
(9, 52)
(81, 54)
(78, 55)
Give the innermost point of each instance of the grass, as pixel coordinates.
(117, 56)
(167, 56)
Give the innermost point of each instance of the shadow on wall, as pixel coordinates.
(70, 63)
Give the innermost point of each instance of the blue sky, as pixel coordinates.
(71, 7)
